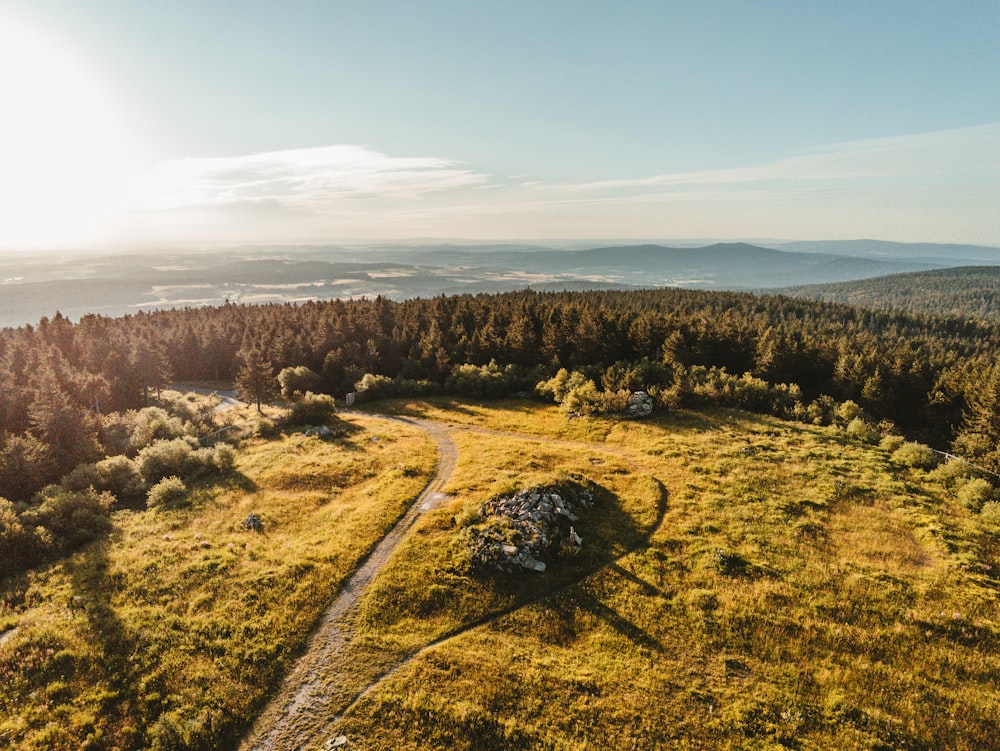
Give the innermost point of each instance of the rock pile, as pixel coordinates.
(640, 404)
(253, 523)
(520, 528)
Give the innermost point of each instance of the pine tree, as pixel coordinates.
(255, 381)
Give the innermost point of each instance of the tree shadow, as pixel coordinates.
(650, 590)
(588, 601)
(92, 590)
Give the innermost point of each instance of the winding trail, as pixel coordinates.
(290, 717)
(299, 717)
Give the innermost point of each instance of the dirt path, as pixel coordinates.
(290, 721)
(300, 717)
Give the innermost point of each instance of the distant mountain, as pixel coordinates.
(718, 266)
(36, 286)
(941, 253)
(966, 291)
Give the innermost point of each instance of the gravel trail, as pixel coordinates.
(293, 719)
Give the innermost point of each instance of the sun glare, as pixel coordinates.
(65, 152)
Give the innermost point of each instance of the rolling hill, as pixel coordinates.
(35, 286)
(964, 292)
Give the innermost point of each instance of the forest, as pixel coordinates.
(966, 291)
(78, 400)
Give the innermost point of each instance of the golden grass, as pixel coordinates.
(183, 622)
(861, 613)
(798, 591)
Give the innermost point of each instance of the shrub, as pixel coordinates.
(990, 514)
(117, 475)
(582, 399)
(71, 517)
(891, 442)
(156, 424)
(224, 458)
(298, 381)
(860, 429)
(953, 473)
(975, 493)
(563, 382)
(313, 409)
(164, 458)
(822, 410)
(916, 455)
(169, 491)
(372, 387)
(847, 412)
(19, 548)
(488, 381)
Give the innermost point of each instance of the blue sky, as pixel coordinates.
(142, 123)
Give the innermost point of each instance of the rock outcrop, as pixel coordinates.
(640, 404)
(520, 529)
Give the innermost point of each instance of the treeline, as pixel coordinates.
(964, 292)
(933, 378)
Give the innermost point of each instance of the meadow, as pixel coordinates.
(744, 583)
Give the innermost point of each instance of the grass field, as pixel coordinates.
(745, 583)
(800, 592)
(171, 632)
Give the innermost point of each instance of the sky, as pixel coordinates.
(126, 123)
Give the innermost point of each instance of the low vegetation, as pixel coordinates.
(804, 590)
(743, 582)
(172, 627)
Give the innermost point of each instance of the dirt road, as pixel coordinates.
(300, 717)
(290, 721)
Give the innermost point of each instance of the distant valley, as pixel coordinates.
(32, 285)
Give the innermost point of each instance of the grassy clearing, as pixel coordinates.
(171, 632)
(801, 592)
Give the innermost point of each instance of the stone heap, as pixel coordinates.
(640, 404)
(520, 528)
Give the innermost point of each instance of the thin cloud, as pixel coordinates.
(307, 178)
(960, 151)
(935, 185)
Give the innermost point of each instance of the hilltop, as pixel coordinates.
(963, 292)
(743, 581)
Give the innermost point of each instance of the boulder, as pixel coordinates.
(640, 404)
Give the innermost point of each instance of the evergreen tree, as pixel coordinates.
(255, 381)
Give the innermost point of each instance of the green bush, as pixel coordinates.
(860, 429)
(561, 384)
(156, 424)
(975, 493)
(19, 547)
(165, 458)
(117, 475)
(489, 381)
(71, 518)
(953, 473)
(313, 409)
(297, 381)
(916, 455)
(990, 514)
(170, 491)
(224, 458)
(372, 387)
(891, 442)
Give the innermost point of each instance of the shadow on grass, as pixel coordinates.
(92, 591)
(586, 600)
(609, 532)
